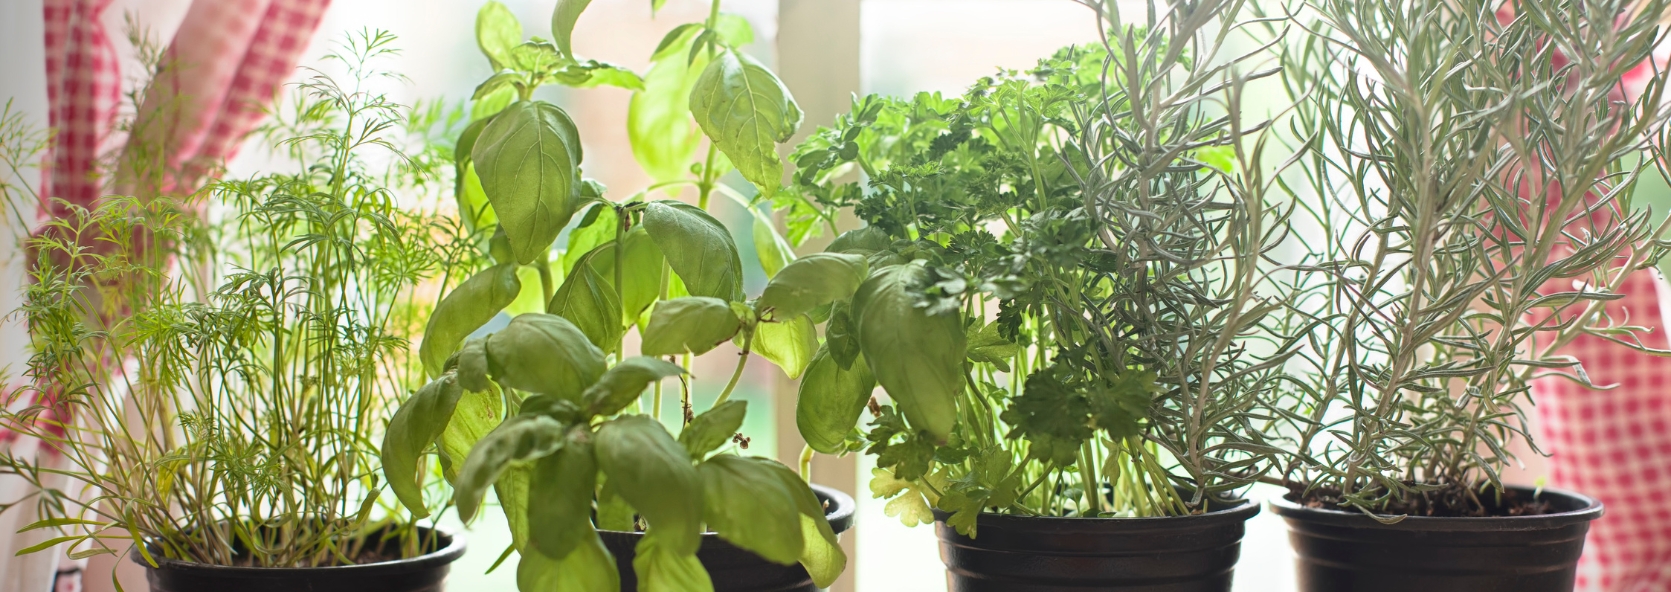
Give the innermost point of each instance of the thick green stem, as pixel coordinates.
(806, 463)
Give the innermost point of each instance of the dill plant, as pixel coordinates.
(1469, 176)
(213, 368)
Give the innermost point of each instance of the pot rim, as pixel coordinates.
(437, 558)
(1588, 509)
(1241, 511)
(839, 514)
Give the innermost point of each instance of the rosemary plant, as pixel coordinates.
(1469, 180)
(1064, 310)
(214, 390)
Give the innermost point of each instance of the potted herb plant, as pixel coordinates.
(1471, 167)
(217, 420)
(546, 410)
(1062, 308)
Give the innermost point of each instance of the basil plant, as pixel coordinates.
(546, 410)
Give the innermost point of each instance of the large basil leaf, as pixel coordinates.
(662, 566)
(823, 558)
(691, 324)
(789, 343)
(465, 309)
(562, 24)
(831, 400)
(747, 112)
(543, 353)
(529, 162)
(497, 32)
(474, 417)
(749, 506)
(697, 247)
(624, 382)
(418, 422)
(664, 139)
(653, 473)
(840, 335)
(520, 439)
(917, 357)
(713, 428)
(589, 568)
(863, 241)
(641, 275)
(813, 281)
(589, 302)
(563, 483)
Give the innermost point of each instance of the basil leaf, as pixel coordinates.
(917, 357)
(512, 491)
(562, 24)
(528, 159)
(564, 483)
(839, 335)
(662, 566)
(472, 365)
(589, 302)
(497, 31)
(671, 42)
(473, 418)
(746, 504)
(863, 241)
(543, 353)
(473, 205)
(535, 56)
(419, 421)
(830, 401)
(663, 137)
(747, 112)
(789, 343)
(597, 228)
(697, 247)
(593, 73)
(774, 252)
(623, 383)
(654, 474)
(692, 324)
(812, 281)
(590, 568)
(711, 429)
(465, 309)
(519, 439)
(641, 274)
(823, 558)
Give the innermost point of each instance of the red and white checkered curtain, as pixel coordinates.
(224, 65)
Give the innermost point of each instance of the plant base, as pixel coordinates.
(424, 573)
(733, 569)
(1341, 551)
(1036, 554)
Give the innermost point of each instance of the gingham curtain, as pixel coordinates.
(225, 63)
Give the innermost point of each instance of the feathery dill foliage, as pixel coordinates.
(1473, 172)
(219, 385)
(1099, 224)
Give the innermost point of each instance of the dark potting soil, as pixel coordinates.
(1450, 501)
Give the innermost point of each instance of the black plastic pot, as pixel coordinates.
(1038, 554)
(733, 569)
(1341, 551)
(424, 573)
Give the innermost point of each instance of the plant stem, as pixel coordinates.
(806, 463)
(742, 361)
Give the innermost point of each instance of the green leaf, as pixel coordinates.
(543, 353)
(532, 297)
(653, 473)
(497, 31)
(593, 73)
(863, 241)
(823, 558)
(497, 83)
(840, 335)
(589, 302)
(655, 5)
(465, 309)
(697, 247)
(671, 42)
(492, 104)
(641, 274)
(417, 423)
(613, 512)
(986, 345)
(535, 56)
(746, 504)
(734, 30)
(528, 159)
(473, 418)
(912, 507)
(562, 24)
(590, 568)
(563, 483)
(663, 566)
(915, 356)
(813, 281)
(774, 252)
(830, 401)
(692, 324)
(713, 428)
(663, 136)
(789, 343)
(520, 439)
(747, 112)
(512, 491)
(597, 227)
(623, 383)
